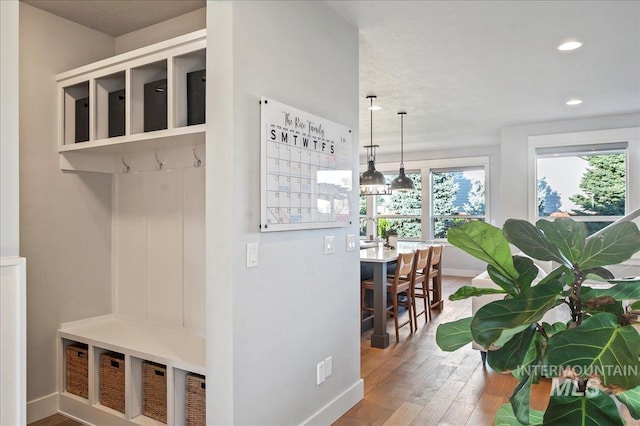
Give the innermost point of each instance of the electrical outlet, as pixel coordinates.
(328, 366)
(351, 242)
(329, 244)
(320, 372)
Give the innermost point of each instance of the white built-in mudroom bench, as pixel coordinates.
(140, 117)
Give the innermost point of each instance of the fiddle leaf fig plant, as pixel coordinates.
(593, 356)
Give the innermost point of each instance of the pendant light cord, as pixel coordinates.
(371, 155)
(402, 141)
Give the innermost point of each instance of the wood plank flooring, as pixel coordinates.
(414, 383)
(56, 420)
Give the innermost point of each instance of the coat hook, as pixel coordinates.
(198, 161)
(160, 163)
(126, 168)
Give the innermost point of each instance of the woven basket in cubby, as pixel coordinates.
(77, 370)
(154, 391)
(112, 380)
(195, 401)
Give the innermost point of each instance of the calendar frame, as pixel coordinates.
(306, 171)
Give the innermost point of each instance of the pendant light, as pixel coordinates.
(372, 180)
(402, 182)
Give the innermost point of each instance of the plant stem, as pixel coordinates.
(575, 300)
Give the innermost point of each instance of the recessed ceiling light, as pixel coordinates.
(374, 107)
(572, 102)
(570, 45)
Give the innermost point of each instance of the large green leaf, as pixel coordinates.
(622, 290)
(531, 241)
(484, 242)
(494, 318)
(617, 243)
(566, 234)
(594, 409)
(631, 398)
(527, 272)
(451, 336)
(467, 291)
(506, 417)
(512, 353)
(599, 346)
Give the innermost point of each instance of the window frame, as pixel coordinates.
(579, 140)
(424, 167)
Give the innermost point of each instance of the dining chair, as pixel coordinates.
(419, 285)
(434, 279)
(399, 283)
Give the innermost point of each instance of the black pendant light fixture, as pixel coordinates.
(402, 182)
(372, 181)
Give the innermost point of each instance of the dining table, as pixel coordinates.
(379, 258)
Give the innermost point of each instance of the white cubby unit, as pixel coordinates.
(102, 110)
(157, 224)
(179, 351)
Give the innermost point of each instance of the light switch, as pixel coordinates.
(329, 244)
(252, 255)
(351, 242)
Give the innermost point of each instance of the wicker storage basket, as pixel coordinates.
(77, 372)
(195, 410)
(154, 391)
(112, 380)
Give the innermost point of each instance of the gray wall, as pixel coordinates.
(514, 146)
(268, 327)
(65, 218)
(9, 194)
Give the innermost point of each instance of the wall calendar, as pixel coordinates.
(306, 170)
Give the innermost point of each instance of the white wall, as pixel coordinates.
(165, 30)
(268, 327)
(514, 146)
(9, 194)
(65, 218)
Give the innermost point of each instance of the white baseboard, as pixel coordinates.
(341, 404)
(42, 407)
(461, 272)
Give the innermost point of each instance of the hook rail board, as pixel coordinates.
(306, 170)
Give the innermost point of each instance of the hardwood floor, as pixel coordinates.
(56, 420)
(415, 383)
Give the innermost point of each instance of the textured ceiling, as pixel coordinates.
(117, 17)
(465, 69)
(462, 70)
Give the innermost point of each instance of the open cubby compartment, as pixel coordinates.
(137, 393)
(111, 106)
(76, 108)
(95, 384)
(189, 83)
(66, 345)
(147, 82)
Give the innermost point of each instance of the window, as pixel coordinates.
(588, 183)
(590, 176)
(457, 197)
(400, 211)
(448, 192)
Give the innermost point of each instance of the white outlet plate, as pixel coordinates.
(320, 373)
(252, 255)
(351, 242)
(329, 244)
(328, 366)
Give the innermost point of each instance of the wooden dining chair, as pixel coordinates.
(434, 279)
(399, 283)
(419, 286)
